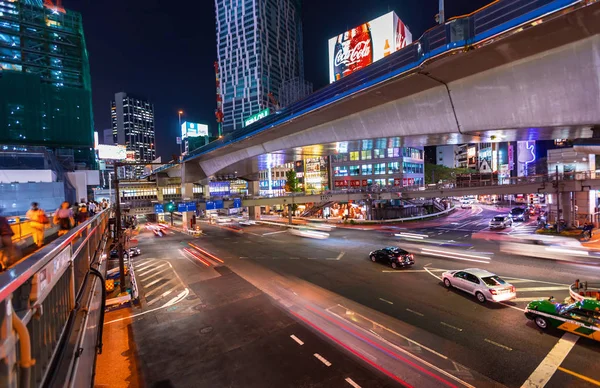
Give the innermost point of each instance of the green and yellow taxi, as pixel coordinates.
(581, 318)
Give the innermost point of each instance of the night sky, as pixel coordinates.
(164, 50)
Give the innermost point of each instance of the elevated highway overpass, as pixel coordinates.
(515, 70)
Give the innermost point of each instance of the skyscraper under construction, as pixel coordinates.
(45, 86)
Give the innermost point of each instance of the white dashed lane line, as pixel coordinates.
(297, 339)
(450, 326)
(386, 301)
(415, 312)
(489, 341)
(322, 359)
(352, 383)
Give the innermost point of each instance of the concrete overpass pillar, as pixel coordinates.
(254, 191)
(187, 191)
(566, 205)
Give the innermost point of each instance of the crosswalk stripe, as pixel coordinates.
(153, 282)
(150, 270)
(153, 275)
(160, 296)
(154, 291)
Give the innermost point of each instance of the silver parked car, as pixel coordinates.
(500, 222)
(481, 283)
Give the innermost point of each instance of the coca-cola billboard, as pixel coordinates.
(365, 44)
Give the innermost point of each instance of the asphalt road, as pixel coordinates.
(494, 340)
(202, 325)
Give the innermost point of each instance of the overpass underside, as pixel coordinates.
(537, 83)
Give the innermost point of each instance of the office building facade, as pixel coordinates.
(377, 163)
(45, 85)
(133, 127)
(259, 45)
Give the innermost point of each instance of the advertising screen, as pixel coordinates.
(193, 129)
(365, 44)
(256, 117)
(118, 152)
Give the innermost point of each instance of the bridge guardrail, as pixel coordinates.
(48, 302)
(496, 18)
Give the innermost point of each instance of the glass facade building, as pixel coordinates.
(380, 162)
(133, 127)
(259, 45)
(45, 86)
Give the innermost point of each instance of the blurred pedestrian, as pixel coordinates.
(92, 208)
(8, 251)
(38, 221)
(83, 214)
(75, 209)
(64, 218)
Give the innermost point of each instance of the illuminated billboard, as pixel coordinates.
(193, 129)
(365, 44)
(118, 152)
(256, 117)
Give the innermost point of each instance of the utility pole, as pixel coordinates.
(557, 203)
(441, 16)
(181, 139)
(118, 236)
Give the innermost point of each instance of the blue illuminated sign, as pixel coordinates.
(159, 208)
(219, 204)
(186, 207)
(237, 202)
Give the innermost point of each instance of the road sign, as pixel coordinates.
(237, 202)
(159, 208)
(210, 205)
(186, 207)
(219, 204)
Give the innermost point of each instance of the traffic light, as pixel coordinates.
(170, 207)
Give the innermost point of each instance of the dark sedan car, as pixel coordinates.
(519, 214)
(393, 256)
(133, 252)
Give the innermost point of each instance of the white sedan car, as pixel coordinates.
(481, 283)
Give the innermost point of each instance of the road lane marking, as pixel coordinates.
(142, 273)
(294, 258)
(386, 301)
(160, 296)
(153, 275)
(352, 383)
(512, 307)
(529, 289)
(450, 326)
(147, 311)
(270, 233)
(338, 256)
(415, 312)
(536, 281)
(154, 291)
(243, 257)
(489, 341)
(529, 299)
(544, 372)
(144, 265)
(297, 339)
(322, 359)
(153, 282)
(582, 377)
(311, 258)
(432, 274)
(412, 270)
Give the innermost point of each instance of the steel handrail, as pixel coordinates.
(17, 275)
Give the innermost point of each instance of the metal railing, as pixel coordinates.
(447, 185)
(458, 33)
(51, 311)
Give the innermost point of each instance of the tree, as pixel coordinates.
(437, 172)
(292, 186)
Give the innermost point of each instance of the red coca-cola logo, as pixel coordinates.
(360, 50)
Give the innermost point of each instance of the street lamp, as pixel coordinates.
(181, 139)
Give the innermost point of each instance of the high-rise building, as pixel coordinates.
(259, 44)
(45, 86)
(133, 127)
